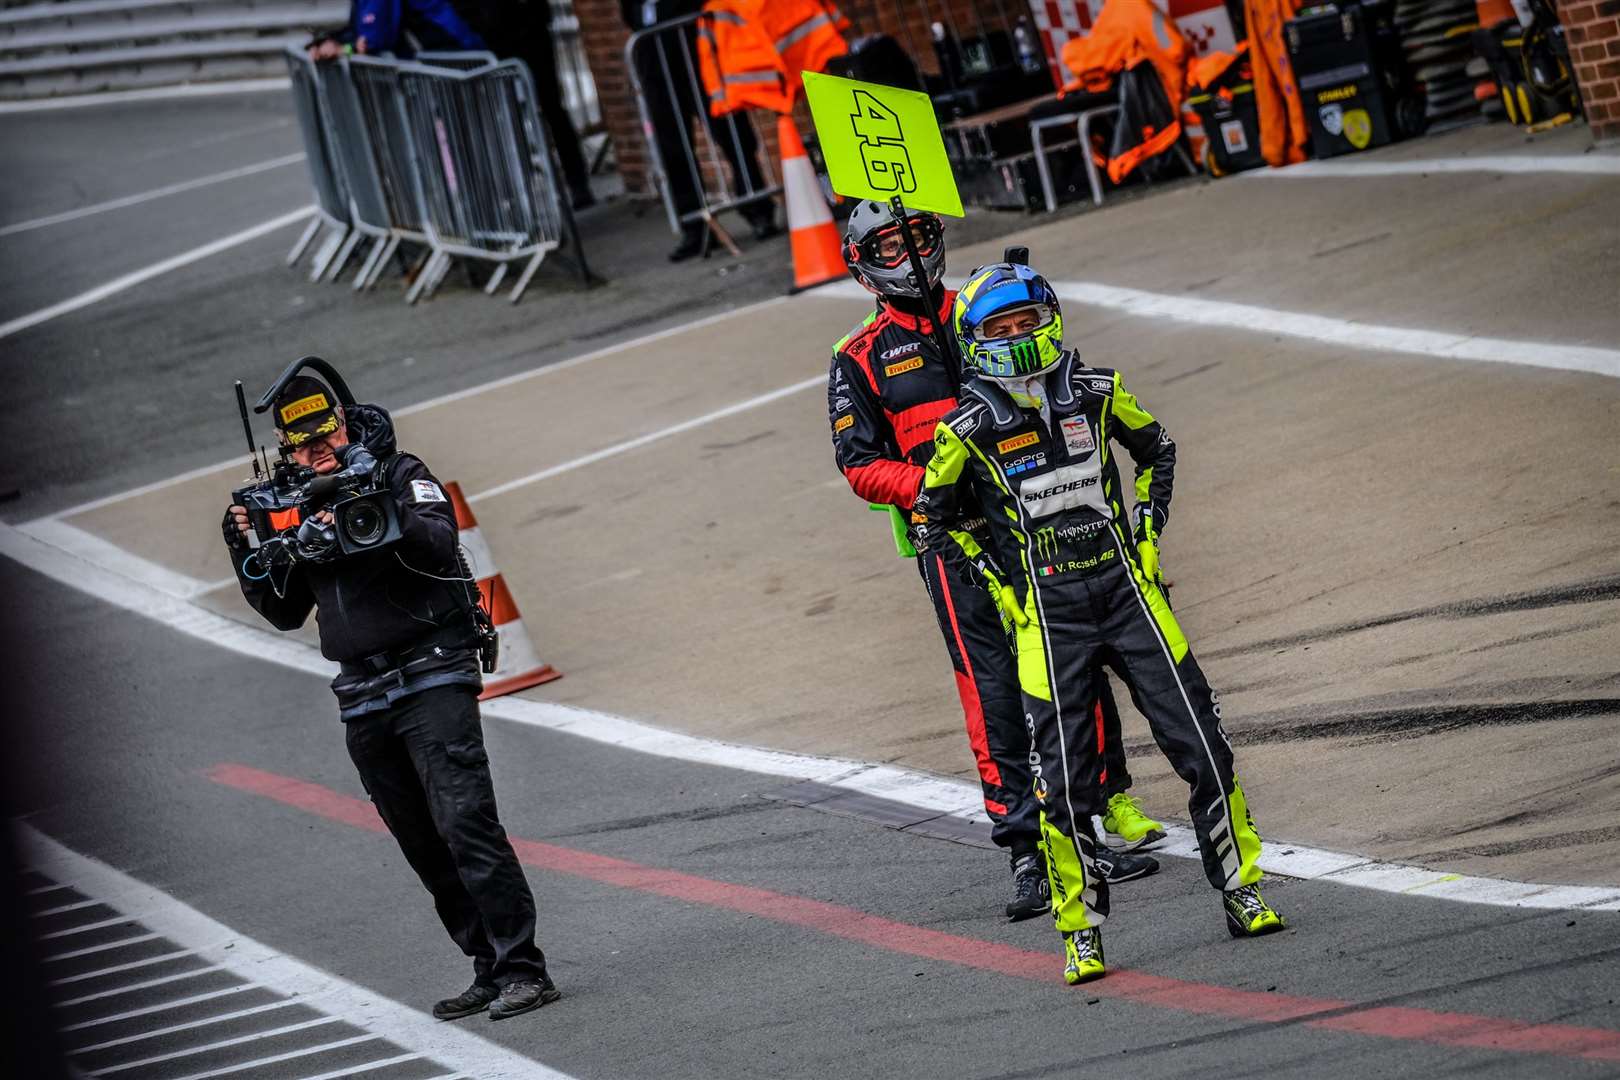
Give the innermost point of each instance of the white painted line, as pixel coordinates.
(223, 1044)
(109, 946)
(1593, 164)
(131, 966)
(649, 438)
(1342, 332)
(165, 1006)
(132, 987)
(1347, 333)
(217, 1018)
(501, 383)
(457, 1048)
(65, 908)
(40, 889)
(87, 927)
(147, 273)
(148, 196)
(940, 794)
(156, 93)
(290, 1055)
(93, 549)
(381, 1063)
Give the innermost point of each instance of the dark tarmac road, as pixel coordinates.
(127, 754)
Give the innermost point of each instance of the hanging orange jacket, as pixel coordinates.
(751, 52)
(1127, 33)
(1283, 133)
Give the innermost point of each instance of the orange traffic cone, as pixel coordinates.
(519, 665)
(817, 251)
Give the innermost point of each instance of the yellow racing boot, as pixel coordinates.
(1249, 916)
(1082, 956)
(1125, 820)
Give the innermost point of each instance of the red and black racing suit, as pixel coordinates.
(886, 392)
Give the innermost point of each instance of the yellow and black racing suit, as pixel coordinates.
(1048, 485)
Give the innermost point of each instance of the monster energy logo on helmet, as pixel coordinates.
(1000, 288)
(1026, 357)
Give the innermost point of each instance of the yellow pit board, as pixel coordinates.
(879, 142)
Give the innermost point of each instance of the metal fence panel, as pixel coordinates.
(489, 188)
(325, 175)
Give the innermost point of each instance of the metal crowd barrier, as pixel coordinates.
(692, 179)
(453, 159)
(331, 195)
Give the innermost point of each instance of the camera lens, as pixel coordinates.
(363, 523)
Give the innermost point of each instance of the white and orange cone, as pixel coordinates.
(817, 250)
(520, 666)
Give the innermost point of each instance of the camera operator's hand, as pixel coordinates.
(324, 517)
(236, 527)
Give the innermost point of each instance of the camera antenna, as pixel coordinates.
(247, 429)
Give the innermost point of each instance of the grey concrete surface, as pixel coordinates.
(658, 987)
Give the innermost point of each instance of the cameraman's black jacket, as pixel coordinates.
(394, 630)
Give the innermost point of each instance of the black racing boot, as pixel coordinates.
(474, 999)
(1032, 894)
(524, 996)
(1117, 866)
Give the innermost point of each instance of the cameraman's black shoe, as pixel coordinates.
(1032, 893)
(523, 996)
(1117, 866)
(474, 999)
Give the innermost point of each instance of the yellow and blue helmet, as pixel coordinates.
(1001, 289)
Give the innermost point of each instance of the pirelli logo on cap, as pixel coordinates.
(1017, 442)
(903, 366)
(843, 423)
(304, 407)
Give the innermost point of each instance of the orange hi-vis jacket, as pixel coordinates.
(1124, 35)
(751, 52)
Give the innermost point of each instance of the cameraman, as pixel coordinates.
(400, 622)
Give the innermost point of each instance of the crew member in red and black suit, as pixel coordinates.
(887, 389)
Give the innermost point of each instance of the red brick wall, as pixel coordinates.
(1593, 29)
(604, 35)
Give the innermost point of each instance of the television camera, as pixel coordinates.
(285, 500)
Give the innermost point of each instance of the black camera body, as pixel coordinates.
(282, 509)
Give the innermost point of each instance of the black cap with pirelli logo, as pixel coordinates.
(305, 409)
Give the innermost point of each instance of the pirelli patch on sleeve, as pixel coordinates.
(843, 423)
(426, 491)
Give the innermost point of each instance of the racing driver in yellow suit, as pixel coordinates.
(1083, 586)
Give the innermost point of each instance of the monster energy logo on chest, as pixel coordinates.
(1026, 357)
(1046, 543)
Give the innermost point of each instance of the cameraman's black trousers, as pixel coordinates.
(423, 762)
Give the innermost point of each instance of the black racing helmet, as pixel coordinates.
(875, 251)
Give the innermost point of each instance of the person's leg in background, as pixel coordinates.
(993, 713)
(1128, 828)
(734, 134)
(535, 44)
(662, 72)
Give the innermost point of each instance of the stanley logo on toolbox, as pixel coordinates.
(904, 366)
(1017, 442)
(304, 407)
